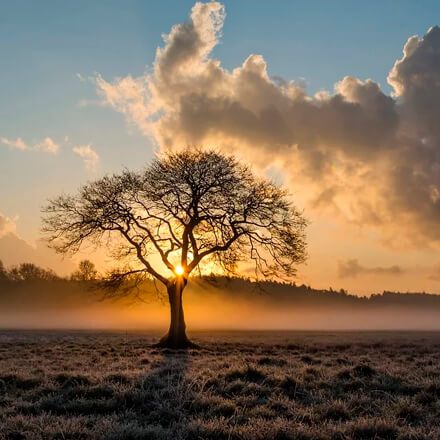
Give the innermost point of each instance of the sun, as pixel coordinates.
(179, 270)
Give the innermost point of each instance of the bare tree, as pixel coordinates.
(86, 271)
(31, 272)
(184, 210)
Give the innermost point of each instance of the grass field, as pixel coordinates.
(244, 385)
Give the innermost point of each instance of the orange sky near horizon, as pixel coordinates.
(362, 164)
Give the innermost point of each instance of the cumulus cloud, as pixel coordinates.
(47, 145)
(359, 154)
(352, 268)
(7, 225)
(89, 156)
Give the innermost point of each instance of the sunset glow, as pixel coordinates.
(179, 270)
(220, 219)
(348, 122)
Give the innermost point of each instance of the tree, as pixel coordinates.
(86, 271)
(3, 273)
(31, 272)
(184, 210)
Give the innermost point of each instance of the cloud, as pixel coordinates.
(14, 250)
(352, 268)
(358, 154)
(90, 156)
(7, 225)
(80, 77)
(47, 145)
(18, 143)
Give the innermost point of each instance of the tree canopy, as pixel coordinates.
(29, 272)
(86, 271)
(184, 209)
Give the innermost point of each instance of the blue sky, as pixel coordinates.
(45, 44)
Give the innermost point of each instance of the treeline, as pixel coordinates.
(291, 293)
(288, 293)
(32, 273)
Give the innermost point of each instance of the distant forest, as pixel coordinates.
(29, 279)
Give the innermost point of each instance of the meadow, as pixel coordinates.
(237, 385)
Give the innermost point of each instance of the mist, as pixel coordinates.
(216, 304)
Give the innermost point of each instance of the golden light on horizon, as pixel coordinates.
(179, 270)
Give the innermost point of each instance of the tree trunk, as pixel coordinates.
(176, 336)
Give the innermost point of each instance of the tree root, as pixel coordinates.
(167, 342)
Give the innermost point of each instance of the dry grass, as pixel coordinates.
(60, 385)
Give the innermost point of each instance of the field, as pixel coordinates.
(243, 385)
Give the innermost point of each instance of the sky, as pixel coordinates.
(307, 92)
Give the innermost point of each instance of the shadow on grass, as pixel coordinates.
(149, 405)
(156, 403)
